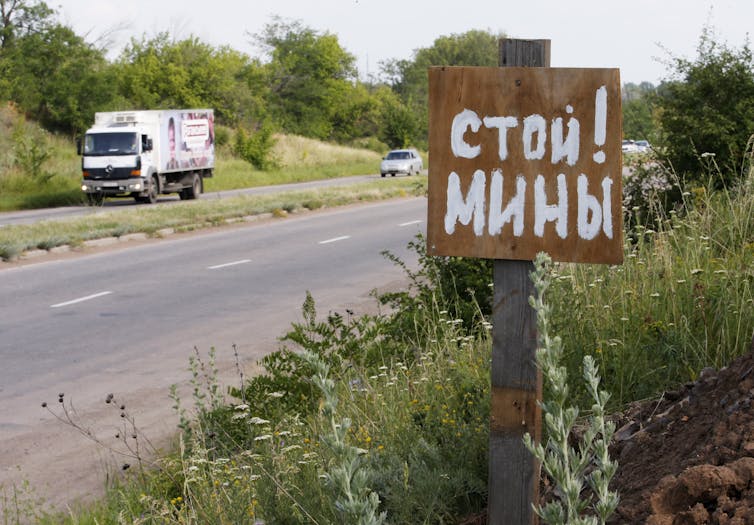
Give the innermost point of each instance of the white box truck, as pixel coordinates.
(146, 153)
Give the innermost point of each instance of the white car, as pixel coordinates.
(629, 146)
(643, 146)
(406, 161)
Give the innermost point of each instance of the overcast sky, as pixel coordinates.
(636, 36)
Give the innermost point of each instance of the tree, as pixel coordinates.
(399, 124)
(309, 74)
(55, 77)
(708, 108)
(409, 77)
(159, 72)
(638, 111)
(22, 17)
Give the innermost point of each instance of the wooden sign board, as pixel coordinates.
(523, 160)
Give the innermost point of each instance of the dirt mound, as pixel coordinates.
(689, 458)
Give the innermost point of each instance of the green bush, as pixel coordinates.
(256, 148)
(707, 108)
(462, 286)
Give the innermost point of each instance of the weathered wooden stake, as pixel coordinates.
(516, 381)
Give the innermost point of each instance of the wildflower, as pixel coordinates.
(241, 407)
(696, 271)
(654, 294)
(681, 281)
(258, 421)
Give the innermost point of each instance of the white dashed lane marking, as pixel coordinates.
(335, 239)
(80, 299)
(225, 265)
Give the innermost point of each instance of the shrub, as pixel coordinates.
(460, 285)
(708, 108)
(256, 148)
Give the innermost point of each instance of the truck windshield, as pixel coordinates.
(111, 144)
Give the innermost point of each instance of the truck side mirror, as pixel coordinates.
(146, 143)
(78, 145)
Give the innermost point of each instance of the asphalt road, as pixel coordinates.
(126, 320)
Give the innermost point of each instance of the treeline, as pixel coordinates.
(305, 83)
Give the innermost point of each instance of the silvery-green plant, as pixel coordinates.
(347, 476)
(570, 469)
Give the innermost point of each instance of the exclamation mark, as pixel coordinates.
(600, 123)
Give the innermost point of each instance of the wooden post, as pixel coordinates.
(515, 380)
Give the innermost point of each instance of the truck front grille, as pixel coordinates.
(109, 173)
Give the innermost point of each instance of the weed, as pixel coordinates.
(571, 469)
(347, 476)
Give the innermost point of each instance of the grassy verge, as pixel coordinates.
(192, 215)
(39, 169)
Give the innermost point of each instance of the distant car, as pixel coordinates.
(405, 161)
(642, 146)
(629, 146)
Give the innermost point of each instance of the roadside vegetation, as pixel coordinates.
(384, 418)
(395, 406)
(155, 221)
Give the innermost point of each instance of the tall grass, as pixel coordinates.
(682, 300)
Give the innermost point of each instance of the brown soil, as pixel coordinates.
(689, 457)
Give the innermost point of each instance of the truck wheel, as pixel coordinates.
(196, 187)
(154, 189)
